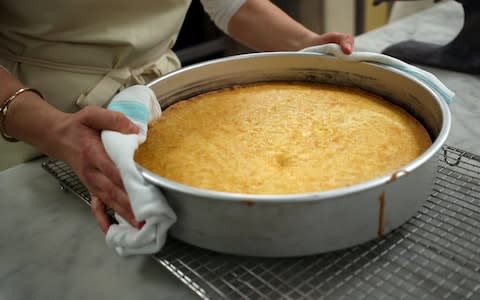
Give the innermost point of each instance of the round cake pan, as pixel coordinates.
(312, 223)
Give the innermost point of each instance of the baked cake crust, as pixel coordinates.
(281, 138)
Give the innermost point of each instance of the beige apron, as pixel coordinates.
(81, 52)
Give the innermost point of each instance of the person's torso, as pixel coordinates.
(110, 33)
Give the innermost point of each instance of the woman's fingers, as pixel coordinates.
(103, 180)
(98, 159)
(345, 41)
(99, 212)
(111, 196)
(103, 119)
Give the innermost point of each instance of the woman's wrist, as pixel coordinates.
(5, 108)
(309, 38)
(9, 85)
(30, 119)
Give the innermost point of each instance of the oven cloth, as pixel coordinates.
(389, 62)
(140, 105)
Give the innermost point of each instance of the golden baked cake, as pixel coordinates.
(281, 138)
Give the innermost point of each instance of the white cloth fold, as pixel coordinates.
(388, 62)
(140, 105)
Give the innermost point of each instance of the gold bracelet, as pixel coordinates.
(4, 111)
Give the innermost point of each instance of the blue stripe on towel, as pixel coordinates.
(134, 110)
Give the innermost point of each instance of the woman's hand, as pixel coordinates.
(74, 139)
(80, 146)
(345, 41)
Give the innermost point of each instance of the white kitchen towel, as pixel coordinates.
(140, 105)
(389, 62)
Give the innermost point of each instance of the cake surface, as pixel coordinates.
(281, 138)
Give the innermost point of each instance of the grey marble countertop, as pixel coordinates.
(438, 25)
(51, 248)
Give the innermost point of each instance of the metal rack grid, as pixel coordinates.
(435, 255)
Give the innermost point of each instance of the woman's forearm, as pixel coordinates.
(262, 26)
(29, 117)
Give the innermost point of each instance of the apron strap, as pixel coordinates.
(105, 88)
(118, 79)
(113, 80)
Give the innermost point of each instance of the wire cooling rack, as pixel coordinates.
(435, 255)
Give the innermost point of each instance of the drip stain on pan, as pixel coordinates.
(381, 215)
(381, 212)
